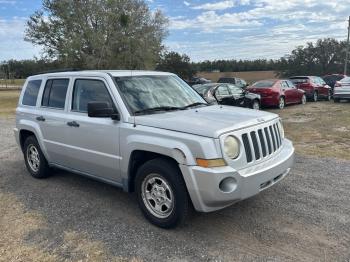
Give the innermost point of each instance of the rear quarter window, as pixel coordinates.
(31, 93)
(55, 93)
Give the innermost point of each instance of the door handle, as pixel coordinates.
(73, 124)
(40, 118)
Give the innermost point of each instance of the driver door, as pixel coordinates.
(93, 142)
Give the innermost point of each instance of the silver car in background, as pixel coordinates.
(342, 90)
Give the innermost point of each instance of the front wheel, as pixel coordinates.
(315, 97)
(329, 96)
(303, 99)
(161, 193)
(281, 102)
(256, 105)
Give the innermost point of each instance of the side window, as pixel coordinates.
(89, 90)
(222, 91)
(55, 93)
(290, 84)
(284, 84)
(31, 94)
(234, 89)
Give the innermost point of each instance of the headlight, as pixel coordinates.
(231, 147)
(280, 126)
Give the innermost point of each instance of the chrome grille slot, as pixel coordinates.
(248, 151)
(262, 142)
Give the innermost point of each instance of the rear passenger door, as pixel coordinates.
(93, 142)
(51, 118)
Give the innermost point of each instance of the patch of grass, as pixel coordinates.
(8, 102)
(12, 82)
(320, 129)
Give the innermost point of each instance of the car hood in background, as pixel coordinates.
(209, 121)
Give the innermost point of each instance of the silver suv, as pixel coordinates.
(152, 134)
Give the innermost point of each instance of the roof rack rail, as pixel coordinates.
(60, 70)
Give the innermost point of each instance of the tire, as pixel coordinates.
(303, 99)
(314, 96)
(281, 102)
(168, 203)
(329, 96)
(336, 100)
(255, 105)
(35, 160)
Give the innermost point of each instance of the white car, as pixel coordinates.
(342, 90)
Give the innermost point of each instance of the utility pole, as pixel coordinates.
(347, 49)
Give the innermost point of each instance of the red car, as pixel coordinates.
(276, 92)
(315, 87)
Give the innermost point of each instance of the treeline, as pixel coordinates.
(323, 57)
(237, 65)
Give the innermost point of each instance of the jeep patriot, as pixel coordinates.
(150, 133)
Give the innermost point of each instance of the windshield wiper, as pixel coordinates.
(195, 104)
(159, 108)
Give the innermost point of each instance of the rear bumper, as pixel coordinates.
(341, 95)
(16, 134)
(203, 184)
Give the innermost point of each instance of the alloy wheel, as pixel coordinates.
(157, 196)
(33, 158)
(281, 103)
(303, 99)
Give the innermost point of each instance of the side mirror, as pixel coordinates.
(102, 109)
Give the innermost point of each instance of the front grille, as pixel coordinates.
(262, 142)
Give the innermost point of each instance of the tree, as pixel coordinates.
(99, 34)
(177, 64)
(324, 57)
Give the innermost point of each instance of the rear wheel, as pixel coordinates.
(281, 103)
(256, 105)
(34, 158)
(161, 193)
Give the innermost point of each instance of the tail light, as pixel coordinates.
(337, 84)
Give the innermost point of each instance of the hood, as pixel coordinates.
(209, 121)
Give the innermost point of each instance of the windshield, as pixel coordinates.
(147, 92)
(345, 80)
(264, 84)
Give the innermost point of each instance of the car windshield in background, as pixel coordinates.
(299, 80)
(157, 93)
(202, 88)
(264, 84)
(226, 80)
(345, 80)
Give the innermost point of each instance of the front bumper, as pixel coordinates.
(203, 184)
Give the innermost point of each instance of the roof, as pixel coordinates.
(114, 73)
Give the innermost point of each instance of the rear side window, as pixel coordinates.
(31, 94)
(55, 93)
(89, 90)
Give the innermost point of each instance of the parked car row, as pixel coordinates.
(275, 92)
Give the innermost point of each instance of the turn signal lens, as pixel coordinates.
(211, 162)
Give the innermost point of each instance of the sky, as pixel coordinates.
(211, 29)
